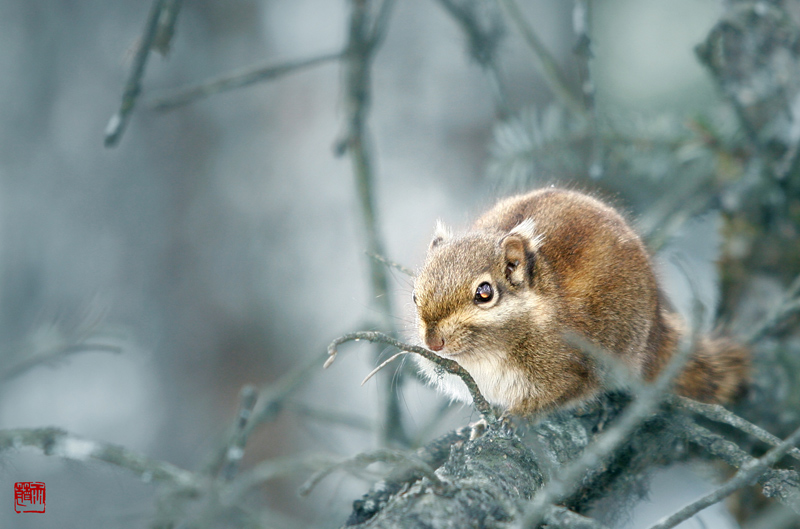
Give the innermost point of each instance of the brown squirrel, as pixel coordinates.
(499, 299)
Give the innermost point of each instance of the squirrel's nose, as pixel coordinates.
(434, 341)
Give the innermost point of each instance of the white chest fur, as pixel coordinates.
(499, 383)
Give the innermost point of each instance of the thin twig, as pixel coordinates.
(238, 79)
(57, 442)
(392, 264)
(53, 355)
(238, 440)
(274, 469)
(382, 365)
(451, 366)
(484, 38)
(166, 26)
(581, 25)
(363, 42)
(363, 460)
(717, 413)
(351, 420)
(789, 306)
(775, 483)
(743, 477)
(133, 87)
(271, 398)
(552, 73)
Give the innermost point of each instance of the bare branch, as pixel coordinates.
(780, 484)
(715, 412)
(744, 476)
(239, 79)
(56, 442)
(238, 440)
(166, 26)
(364, 39)
(391, 264)
(351, 420)
(271, 398)
(552, 73)
(117, 123)
(53, 355)
(788, 307)
(448, 365)
(274, 469)
(360, 461)
(484, 33)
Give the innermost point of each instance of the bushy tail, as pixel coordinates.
(716, 372)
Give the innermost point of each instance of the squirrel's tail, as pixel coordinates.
(717, 371)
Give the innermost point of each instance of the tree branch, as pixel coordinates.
(133, 87)
(57, 442)
(239, 79)
(744, 476)
(451, 366)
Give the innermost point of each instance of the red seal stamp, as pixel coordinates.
(29, 496)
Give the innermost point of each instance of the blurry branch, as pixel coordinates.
(350, 420)
(649, 398)
(717, 413)
(552, 73)
(133, 87)
(581, 25)
(563, 518)
(270, 401)
(446, 364)
(364, 39)
(781, 484)
(238, 79)
(238, 439)
(166, 26)
(54, 354)
(746, 474)
(788, 307)
(774, 516)
(482, 25)
(363, 460)
(392, 264)
(56, 442)
(680, 203)
(274, 469)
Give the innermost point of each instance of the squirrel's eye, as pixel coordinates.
(483, 293)
(414, 297)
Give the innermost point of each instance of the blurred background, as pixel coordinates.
(220, 244)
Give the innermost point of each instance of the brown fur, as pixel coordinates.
(584, 271)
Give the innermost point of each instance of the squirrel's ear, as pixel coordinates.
(440, 233)
(518, 252)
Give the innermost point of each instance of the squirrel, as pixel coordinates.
(500, 298)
